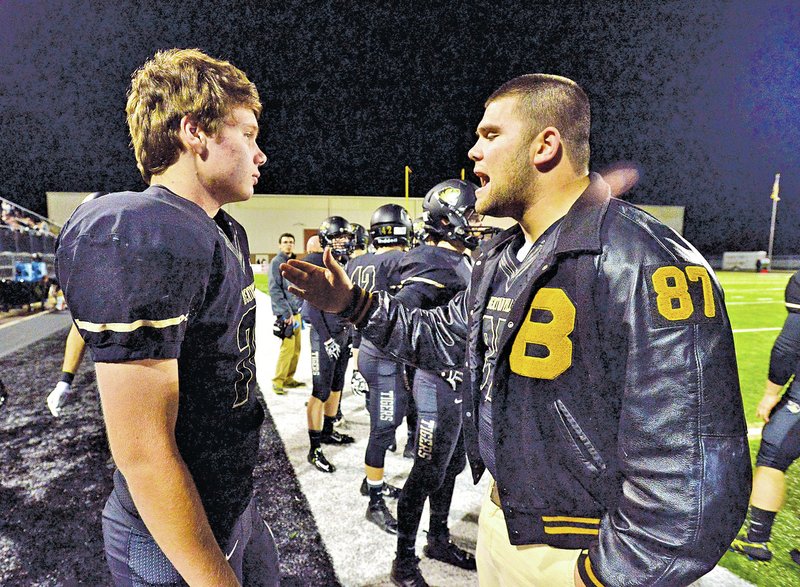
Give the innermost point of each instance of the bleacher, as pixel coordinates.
(27, 256)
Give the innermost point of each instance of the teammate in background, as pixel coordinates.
(74, 349)
(360, 244)
(285, 306)
(330, 338)
(603, 395)
(161, 291)
(780, 438)
(390, 234)
(432, 274)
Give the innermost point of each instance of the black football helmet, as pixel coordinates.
(450, 213)
(390, 225)
(337, 233)
(360, 236)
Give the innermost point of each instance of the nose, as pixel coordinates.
(261, 158)
(475, 153)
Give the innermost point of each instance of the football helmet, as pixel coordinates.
(360, 236)
(450, 213)
(337, 233)
(390, 225)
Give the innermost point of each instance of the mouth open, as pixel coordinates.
(484, 179)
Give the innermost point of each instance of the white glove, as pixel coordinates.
(58, 397)
(332, 349)
(358, 384)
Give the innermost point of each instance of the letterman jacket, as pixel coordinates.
(617, 416)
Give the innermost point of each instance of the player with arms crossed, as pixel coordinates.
(161, 290)
(601, 389)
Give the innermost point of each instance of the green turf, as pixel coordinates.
(756, 301)
(262, 282)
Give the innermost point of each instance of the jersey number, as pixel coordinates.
(552, 335)
(364, 277)
(246, 367)
(672, 292)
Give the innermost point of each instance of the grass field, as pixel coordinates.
(262, 282)
(755, 306)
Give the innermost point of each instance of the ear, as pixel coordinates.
(546, 146)
(192, 136)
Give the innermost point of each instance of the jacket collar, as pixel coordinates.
(580, 229)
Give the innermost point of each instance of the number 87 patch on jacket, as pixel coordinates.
(681, 294)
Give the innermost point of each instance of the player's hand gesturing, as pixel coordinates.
(328, 288)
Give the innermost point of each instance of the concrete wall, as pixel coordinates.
(266, 216)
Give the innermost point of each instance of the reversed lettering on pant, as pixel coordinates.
(387, 406)
(425, 446)
(315, 363)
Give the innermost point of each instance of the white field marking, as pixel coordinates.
(13, 322)
(754, 432)
(738, 330)
(750, 303)
(729, 288)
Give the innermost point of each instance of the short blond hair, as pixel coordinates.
(172, 84)
(552, 100)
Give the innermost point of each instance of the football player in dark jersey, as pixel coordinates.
(330, 338)
(390, 233)
(74, 349)
(360, 245)
(780, 438)
(161, 290)
(433, 273)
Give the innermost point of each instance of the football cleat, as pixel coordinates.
(754, 550)
(316, 458)
(443, 549)
(795, 554)
(408, 451)
(336, 437)
(406, 573)
(379, 514)
(387, 490)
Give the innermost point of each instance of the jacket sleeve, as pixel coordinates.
(429, 339)
(682, 445)
(277, 295)
(783, 360)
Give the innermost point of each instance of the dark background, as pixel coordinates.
(704, 96)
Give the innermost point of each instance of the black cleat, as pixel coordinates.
(392, 447)
(387, 491)
(337, 437)
(3, 394)
(442, 549)
(406, 573)
(754, 550)
(408, 451)
(316, 458)
(795, 554)
(379, 514)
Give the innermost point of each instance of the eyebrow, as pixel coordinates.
(486, 129)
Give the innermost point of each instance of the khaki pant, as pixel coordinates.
(288, 357)
(501, 564)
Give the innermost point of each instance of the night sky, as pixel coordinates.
(705, 96)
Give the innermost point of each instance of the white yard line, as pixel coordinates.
(738, 330)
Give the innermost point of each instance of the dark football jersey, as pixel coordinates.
(792, 294)
(326, 324)
(375, 272)
(784, 359)
(432, 276)
(150, 276)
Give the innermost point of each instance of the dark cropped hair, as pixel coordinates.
(289, 234)
(551, 100)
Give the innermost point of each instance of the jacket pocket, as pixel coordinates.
(575, 437)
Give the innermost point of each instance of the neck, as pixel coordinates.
(182, 180)
(457, 247)
(549, 204)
